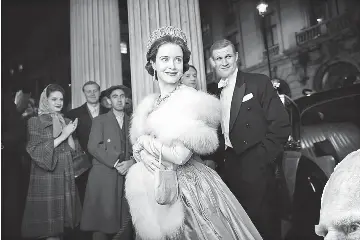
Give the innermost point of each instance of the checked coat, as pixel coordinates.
(51, 178)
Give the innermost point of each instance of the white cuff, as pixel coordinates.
(116, 163)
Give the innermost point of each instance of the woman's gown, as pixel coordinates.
(211, 211)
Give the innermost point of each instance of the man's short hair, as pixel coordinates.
(125, 89)
(90, 83)
(219, 44)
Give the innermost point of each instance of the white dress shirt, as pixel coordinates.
(225, 99)
(120, 119)
(94, 111)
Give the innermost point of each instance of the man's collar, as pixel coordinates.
(92, 107)
(118, 114)
(229, 80)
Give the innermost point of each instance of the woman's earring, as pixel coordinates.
(154, 76)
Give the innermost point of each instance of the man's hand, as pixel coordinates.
(210, 164)
(123, 167)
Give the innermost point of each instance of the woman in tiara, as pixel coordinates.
(169, 131)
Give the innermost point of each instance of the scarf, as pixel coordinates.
(58, 120)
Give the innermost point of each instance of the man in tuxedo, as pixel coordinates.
(85, 114)
(255, 126)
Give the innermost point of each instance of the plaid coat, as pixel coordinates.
(51, 179)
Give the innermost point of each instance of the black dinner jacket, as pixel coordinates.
(84, 123)
(262, 119)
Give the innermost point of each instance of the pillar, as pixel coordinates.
(95, 45)
(147, 15)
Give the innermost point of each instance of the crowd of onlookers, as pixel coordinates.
(21, 147)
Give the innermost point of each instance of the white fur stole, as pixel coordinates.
(188, 116)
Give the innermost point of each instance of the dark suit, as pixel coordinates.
(105, 207)
(82, 133)
(258, 129)
(13, 140)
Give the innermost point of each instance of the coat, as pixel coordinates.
(105, 207)
(82, 132)
(84, 123)
(258, 129)
(51, 175)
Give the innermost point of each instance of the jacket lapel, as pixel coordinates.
(115, 123)
(238, 95)
(125, 130)
(86, 112)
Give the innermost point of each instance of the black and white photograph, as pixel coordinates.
(180, 120)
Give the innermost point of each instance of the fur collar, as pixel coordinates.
(188, 115)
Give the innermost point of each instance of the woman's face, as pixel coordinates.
(169, 63)
(190, 78)
(56, 101)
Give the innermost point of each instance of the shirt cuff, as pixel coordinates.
(116, 163)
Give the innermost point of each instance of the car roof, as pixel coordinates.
(316, 98)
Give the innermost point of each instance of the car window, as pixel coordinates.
(344, 109)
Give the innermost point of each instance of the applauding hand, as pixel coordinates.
(70, 128)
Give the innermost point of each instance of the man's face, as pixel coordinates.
(105, 102)
(224, 60)
(339, 227)
(117, 98)
(92, 93)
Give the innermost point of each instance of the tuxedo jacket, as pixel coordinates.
(85, 119)
(257, 117)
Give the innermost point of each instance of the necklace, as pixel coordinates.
(160, 99)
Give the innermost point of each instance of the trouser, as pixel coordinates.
(253, 184)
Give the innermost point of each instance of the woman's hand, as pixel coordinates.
(151, 162)
(70, 128)
(150, 145)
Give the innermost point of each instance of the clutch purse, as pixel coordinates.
(81, 163)
(166, 185)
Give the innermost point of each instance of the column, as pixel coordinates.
(147, 15)
(95, 45)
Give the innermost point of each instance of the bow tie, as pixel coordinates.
(223, 83)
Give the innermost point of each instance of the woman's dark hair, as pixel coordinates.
(193, 67)
(151, 54)
(54, 88)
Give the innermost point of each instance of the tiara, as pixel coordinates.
(166, 31)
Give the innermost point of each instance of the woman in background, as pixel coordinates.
(189, 78)
(52, 203)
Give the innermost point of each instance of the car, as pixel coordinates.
(325, 128)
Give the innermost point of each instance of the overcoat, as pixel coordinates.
(51, 177)
(105, 207)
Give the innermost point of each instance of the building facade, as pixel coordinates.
(312, 44)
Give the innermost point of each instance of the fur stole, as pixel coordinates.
(188, 116)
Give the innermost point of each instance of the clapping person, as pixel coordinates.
(52, 203)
